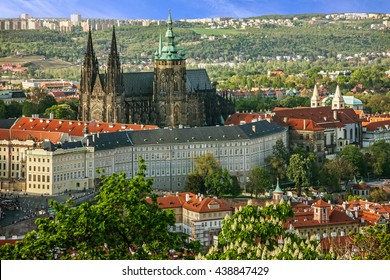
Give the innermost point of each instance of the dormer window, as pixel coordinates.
(214, 205)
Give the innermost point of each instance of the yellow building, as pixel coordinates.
(54, 171)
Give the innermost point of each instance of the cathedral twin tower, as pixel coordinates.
(168, 97)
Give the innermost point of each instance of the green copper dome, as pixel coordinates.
(169, 51)
(278, 189)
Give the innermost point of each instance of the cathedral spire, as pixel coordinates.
(89, 73)
(114, 50)
(89, 49)
(114, 77)
(90, 67)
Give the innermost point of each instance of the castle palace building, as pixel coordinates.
(168, 97)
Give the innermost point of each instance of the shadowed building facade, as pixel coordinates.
(168, 97)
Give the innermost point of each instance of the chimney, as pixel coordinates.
(344, 205)
(335, 114)
(177, 193)
(253, 128)
(304, 124)
(187, 197)
(356, 214)
(285, 119)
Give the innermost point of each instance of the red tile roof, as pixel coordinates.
(8, 241)
(373, 126)
(167, 202)
(73, 128)
(320, 203)
(195, 203)
(337, 242)
(304, 124)
(239, 118)
(320, 116)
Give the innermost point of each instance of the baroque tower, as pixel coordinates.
(315, 99)
(89, 73)
(169, 83)
(338, 100)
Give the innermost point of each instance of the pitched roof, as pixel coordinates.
(239, 118)
(320, 203)
(321, 116)
(73, 128)
(138, 83)
(195, 203)
(373, 126)
(304, 124)
(201, 204)
(197, 79)
(191, 135)
(7, 123)
(167, 202)
(306, 219)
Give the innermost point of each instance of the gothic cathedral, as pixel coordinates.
(168, 97)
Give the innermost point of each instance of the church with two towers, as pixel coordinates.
(170, 96)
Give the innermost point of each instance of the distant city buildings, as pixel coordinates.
(26, 22)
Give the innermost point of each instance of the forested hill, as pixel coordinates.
(137, 44)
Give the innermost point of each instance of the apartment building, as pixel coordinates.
(199, 217)
(55, 169)
(321, 220)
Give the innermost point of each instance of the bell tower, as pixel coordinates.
(169, 83)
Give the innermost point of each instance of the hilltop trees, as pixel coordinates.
(120, 225)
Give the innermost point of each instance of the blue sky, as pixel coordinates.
(157, 9)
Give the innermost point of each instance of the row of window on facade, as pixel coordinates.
(39, 178)
(70, 175)
(34, 159)
(38, 186)
(38, 168)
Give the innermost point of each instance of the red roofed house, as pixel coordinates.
(242, 118)
(321, 220)
(376, 131)
(197, 216)
(368, 213)
(321, 129)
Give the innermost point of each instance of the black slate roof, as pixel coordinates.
(141, 83)
(174, 136)
(7, 123)
(198, 80)
(138, 83)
